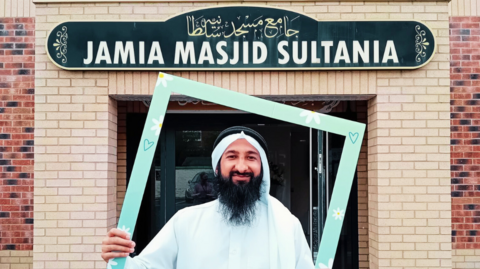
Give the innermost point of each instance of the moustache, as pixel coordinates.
(236, 173)
(246, 174)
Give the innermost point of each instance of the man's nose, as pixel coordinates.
(241, 166)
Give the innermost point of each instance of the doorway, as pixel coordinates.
(296, 157)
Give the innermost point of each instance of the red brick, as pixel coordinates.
(6, 72)
(455, 25)
(473, 246)
(25, 20)
(13, 65)
(470, 63)
(470, 25)
(460, 44)
(10, 208)
(470, 51)
(6, 20)
(13, 121)
(465, 154)
(455, 38)
(461, 226)
(462, 214)
(462, 96)
(454, 51)
(29, 52)
(459, 19)
(471, 38)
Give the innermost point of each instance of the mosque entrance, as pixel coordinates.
(303, 165)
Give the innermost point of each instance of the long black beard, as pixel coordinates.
(237, 202)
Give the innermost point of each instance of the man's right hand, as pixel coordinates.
(116, 244)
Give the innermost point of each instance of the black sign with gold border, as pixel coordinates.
(238, 38)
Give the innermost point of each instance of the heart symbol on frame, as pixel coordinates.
(147, 144)
(353, 137)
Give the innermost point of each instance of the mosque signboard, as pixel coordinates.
(240, 38)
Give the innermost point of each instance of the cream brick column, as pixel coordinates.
(75, 161)
(17, 9)
(75, 168)
(408, 156)
(464, 8)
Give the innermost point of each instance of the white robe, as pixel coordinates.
(198, 237)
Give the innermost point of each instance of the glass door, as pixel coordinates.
(188, 152)
(329, 149)
(319, 191)
(194, 176)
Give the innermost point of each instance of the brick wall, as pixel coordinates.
(465, 137)
(408, 153)
(17, 68)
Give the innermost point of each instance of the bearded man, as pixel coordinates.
(244, 228)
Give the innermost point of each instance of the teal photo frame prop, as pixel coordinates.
(167, 84)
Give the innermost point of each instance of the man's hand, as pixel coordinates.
(116, 244)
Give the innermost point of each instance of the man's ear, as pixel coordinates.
(216, 169)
